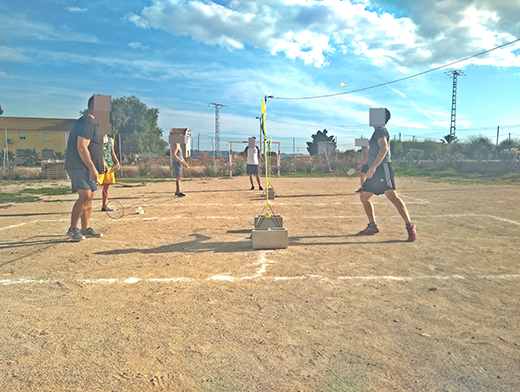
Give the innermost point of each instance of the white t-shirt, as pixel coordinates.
(252, 155)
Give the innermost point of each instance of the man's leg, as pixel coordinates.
(258, 180)
(85, 217)
(78, 210)
(367, 205)
(251, 180)
(391, 194)
(178, 184)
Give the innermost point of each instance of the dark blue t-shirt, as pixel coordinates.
(84, 127)
(373, 146)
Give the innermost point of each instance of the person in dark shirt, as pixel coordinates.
(380, 179)
(83, 162)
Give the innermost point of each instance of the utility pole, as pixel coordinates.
(217, 127)
(454, 74)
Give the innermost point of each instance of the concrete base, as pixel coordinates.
(265, 222)
(271, 194)
(275, 238)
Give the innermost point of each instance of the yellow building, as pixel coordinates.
(47, 135)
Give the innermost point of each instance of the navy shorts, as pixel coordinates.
(364, 168)
(81, 179)
(382, 180)
(252, 169)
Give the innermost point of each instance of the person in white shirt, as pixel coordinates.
(252, 154)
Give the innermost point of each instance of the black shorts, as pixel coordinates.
(364, 168)
(382, 180)
(81, 179)
(252, 169)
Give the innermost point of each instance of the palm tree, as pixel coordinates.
(31, 157)
(448, 139)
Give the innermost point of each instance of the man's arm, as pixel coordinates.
(383, 150)
(177, 148)
(84, 154)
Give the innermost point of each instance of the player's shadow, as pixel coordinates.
(297, 241)
(36, 214)
(34, 242)
(200, 243)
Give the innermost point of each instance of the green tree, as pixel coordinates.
(10, 155)
(31, 157)
(320, 136)
(448, 139)
(137, 125)
(479, 148)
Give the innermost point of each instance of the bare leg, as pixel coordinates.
(178, 184)
(399, 204)
(105, 194)
(251, 180)
(257, 180)
(362, 178)
(367, 205)
(82, 209)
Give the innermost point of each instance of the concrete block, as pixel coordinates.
(271, 194)
(264, 222)
(270, 238)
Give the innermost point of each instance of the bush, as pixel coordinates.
(144, 167)
(157, 171)
(131, 171)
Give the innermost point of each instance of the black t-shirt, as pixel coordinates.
(373, 147)
(84, 127)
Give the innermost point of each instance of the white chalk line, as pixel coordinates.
(317, 217)
(257, 276)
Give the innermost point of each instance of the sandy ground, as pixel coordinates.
(176, 299)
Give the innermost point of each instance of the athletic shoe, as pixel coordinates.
(75, 234)
(252, 188)
(369, 230)
(359, 190)
(105, 208)
(412, 233)
(261, 188)
(91, 233)
(180, 194)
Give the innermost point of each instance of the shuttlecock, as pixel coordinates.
(139, 210)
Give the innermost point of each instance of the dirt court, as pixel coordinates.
(176, 299)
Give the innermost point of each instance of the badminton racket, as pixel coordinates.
(198, 169)
(113, 208)
(351, 171)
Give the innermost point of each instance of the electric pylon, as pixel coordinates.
(454, 74)
(217, 128)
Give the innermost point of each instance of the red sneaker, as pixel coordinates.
(359, 190)
(369, 230)
(412, 233)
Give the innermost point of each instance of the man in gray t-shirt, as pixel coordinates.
(380, 179)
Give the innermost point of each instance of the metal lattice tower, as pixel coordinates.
(217, 128)
(454, 74)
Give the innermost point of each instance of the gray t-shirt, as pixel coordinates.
(373, 146)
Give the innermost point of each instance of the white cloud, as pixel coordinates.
(137, 45)
(313, 31)
(76, 9)
(20, 26)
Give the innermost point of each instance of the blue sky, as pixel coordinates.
(180, 56)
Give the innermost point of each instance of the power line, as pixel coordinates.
(401, 79)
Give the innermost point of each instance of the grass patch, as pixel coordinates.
(17, 198)
(30, 195)
(48, 191)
